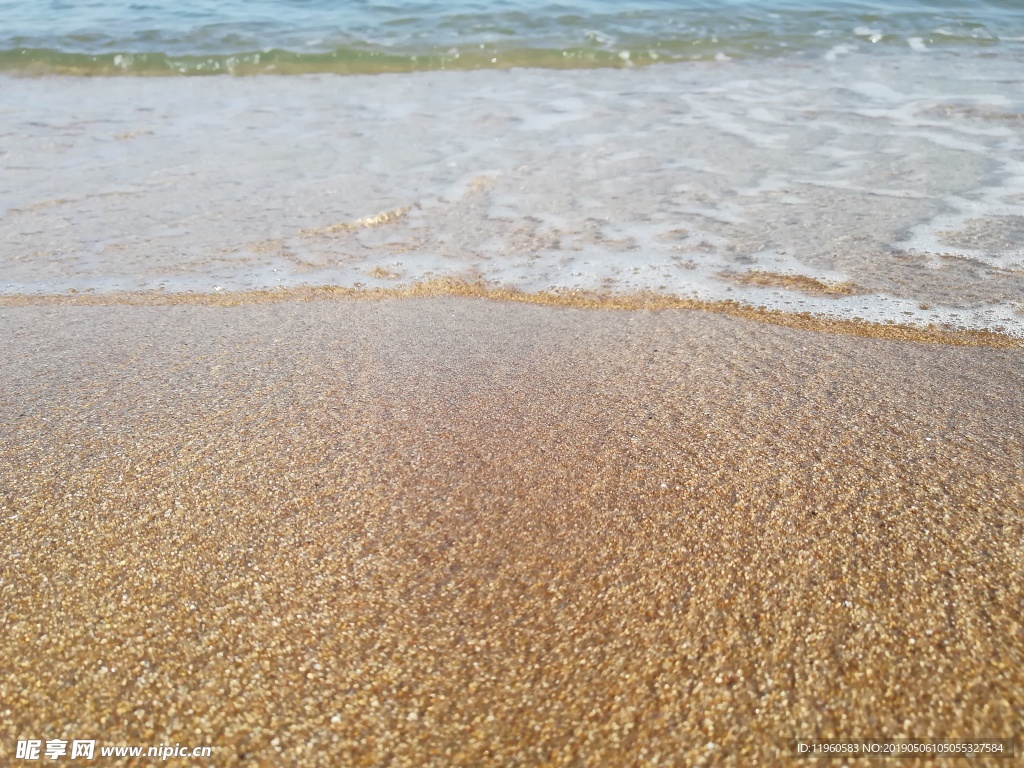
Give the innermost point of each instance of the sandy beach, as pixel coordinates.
(452, 531)
(523, 383)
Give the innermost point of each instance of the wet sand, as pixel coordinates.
(452, 531)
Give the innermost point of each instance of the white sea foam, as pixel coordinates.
(836, 51)
(874, 35)
(897, 173)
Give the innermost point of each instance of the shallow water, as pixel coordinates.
(896, 182)
(851, 179)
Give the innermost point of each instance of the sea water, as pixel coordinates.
(851, 160)
(205, 36)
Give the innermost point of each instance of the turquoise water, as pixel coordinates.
(297, 36)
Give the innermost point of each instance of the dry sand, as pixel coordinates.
(462, 532)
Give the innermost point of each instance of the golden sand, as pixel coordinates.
(379, 219)
(458, 532)
(796, 282)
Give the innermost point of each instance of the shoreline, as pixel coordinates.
(450, 530)
(567, 298)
